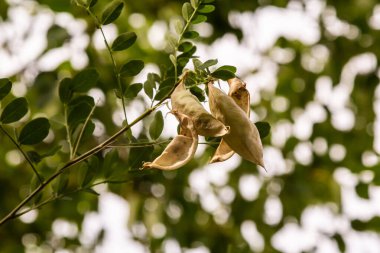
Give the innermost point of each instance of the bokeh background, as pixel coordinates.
(312, 69)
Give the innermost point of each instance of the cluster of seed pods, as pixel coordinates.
(229, 119)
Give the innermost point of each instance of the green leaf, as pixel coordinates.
(191, 35)
(208, 64)
(168, 82)
(5, 87)
(186, 11)
(339, 240)
(34, 131)
(65, 91)
(138, 155)
(173, 59)
(171, 40)
(57, 36)
(91, 168)
(14, 111)
(194, 3)
(132, 68)
(84, 80)
(185, 46)
(91, 3)
(228, 68)
(81, 99)
(264, 128)
(222, 74)
(362, 190)
(91, 191)
(112, 12)
(149, 85)
(79, 109)
(207, 1)
(178, 26)
(90, 127)
(197, 63)
(124, 41)
(198, 92)
(162, 93)
(206, 8)
(36, 157)
(156, 126)
(199, 19)
(133, 90)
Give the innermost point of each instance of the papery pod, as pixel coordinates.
(180, 150)
(186, 103)
(243, 137)
(241, 96)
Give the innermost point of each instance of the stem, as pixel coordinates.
(68, 131)
(180, 37)
(118, 77)
(138, 145)
(13, 214)
(76, 146)
(23, 153)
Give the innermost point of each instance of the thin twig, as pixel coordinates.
(13, 214)
(23, 153)
(77, 142)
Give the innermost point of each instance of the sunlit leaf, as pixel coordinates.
(208, 64)
(14, 111)
(124, 41)
(206, 8)
(34, 131)
(194, 3)
(112, 12)
(178, 26)
(186, 11)
(199, 19)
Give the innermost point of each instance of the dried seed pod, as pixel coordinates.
(180, 150)
(241, 96)
(186, 103)
(243, 137)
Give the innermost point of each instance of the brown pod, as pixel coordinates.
(180, 150)
(243, 137)
(241, 96)
(186, 103)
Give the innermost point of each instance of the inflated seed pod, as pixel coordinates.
(180, 150)
(241, 96)
(243, 137)
(186, 103)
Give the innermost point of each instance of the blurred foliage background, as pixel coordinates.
(317, 85)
